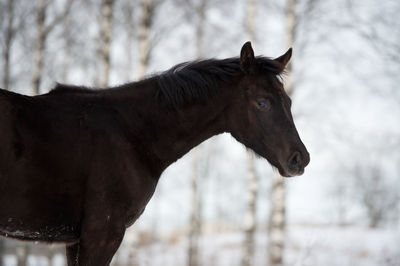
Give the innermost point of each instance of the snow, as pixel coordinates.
(305, 246)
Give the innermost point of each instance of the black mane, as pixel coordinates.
(188, 81)
(64, 88)
(198, 80)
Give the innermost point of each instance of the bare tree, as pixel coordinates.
(200, 27)
(14, 18)
(9, 37)
(195, 212)
(384, 31)
(252, 178)
(341, 192)
(51, 252)
(250, 224)
(22, 251)
(68, 40)
(379, 197)
(149, 34)
(130, 25)
(144, 40)
(106, 25)
(277, 221)
(145, 47)
(43, 30)
(2, 251)
(10, 32)
(196, 221)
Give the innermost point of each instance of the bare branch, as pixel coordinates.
(59, 18)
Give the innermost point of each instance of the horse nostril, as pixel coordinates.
(295, 160)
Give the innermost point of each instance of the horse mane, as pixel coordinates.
(188, 81)
(64, 88)
(199, 80)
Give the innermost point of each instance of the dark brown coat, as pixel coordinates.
(78, 166)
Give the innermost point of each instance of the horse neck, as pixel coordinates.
(170, 133)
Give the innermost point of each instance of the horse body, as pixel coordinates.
(79, 166)
(73, 160)
(51, 146)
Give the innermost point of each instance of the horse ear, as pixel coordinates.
(284, 59)
(246, 57)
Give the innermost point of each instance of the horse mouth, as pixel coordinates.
(286, 170)
(295, 164)
(290, 171)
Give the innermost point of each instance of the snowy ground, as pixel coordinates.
(306, 246)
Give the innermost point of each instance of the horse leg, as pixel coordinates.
(72, 254)
(102, 230)
(97, 247)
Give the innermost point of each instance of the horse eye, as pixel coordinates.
(264, 103)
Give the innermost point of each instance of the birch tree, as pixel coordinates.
(11, 24)
(277, 221)
(250, 224)
(13, 20)
(252, 179)
(195, 213)
(9, 37)
(22, 251)
(106, 25)
(2, 251)
(44, 28)
(196, 221)
(130, 25)
(145, 47)
(68, 39)
(144, 41)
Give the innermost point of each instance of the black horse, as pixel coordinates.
(78, 166)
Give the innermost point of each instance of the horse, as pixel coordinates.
(79, 165)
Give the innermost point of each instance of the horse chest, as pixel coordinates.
(139, 197)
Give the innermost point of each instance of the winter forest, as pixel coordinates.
(221, 205)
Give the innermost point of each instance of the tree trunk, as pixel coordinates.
(291, 25)
(68, 39)
(277, 222)
(43, 31)
(252, 179)
(129, 21)
(8, 43)
(195, 215)
(144, 44)
(250, 217)
(2, 251)
(22, 252)
(250, 20)
(39, 47)
(133, 246)
(196, 202)
(277, 226)
(51, 252)
(201, 10)
(106, 25)
(144, 47)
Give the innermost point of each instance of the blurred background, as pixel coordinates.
(219, 205)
